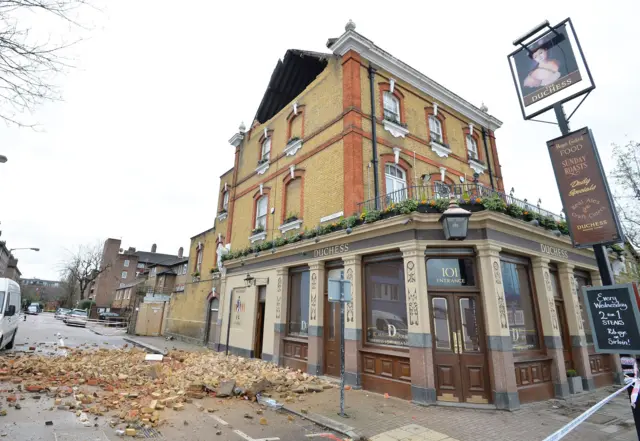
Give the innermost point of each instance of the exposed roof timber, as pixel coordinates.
(289, 78)
(351, 40)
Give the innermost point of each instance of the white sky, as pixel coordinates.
(137, 147)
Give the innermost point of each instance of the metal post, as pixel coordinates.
(342, 414)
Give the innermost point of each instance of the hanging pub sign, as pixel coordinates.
(550, 68)
(614, 317)
(584, 191)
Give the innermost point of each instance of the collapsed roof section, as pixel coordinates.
(290, 77)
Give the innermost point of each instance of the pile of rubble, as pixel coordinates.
(121, 384)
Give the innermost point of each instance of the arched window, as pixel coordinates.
(472, 148)
(391, 107)
(261, 213)
(396, 183)
(266, 150)
(435, 127)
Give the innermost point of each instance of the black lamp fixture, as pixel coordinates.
(455, 222)
(252, 281)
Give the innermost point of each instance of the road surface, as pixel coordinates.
(233, 420)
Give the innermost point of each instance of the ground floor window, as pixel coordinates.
(520, 304)
(299, 303)
(386, 302)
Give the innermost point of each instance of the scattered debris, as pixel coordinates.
(48, 423)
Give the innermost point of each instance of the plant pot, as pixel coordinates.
(472, 207)
(388, 215)
(575, 384)
(426, 208)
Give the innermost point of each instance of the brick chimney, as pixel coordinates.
(153, 248)
(180, 251)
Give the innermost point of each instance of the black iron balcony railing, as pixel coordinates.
(437, 191)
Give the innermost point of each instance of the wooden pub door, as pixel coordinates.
(459, 352)
(332, 330)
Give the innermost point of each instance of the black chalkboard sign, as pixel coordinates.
(614, 317)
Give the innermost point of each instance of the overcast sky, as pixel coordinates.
(136, 149)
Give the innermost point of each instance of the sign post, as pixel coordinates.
(340, 291)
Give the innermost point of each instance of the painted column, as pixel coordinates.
(222, 297)
(616, 366)
(579, 352)
(280, 324)
(499, 341)
(316, 315)
(353, 321)
(550, 325)
(423, 388)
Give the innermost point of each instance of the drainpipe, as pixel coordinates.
(374, 140)
(226, 349)
(486, 152)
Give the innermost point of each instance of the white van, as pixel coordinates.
(10, 301)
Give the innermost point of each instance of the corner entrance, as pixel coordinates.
(458, 351)
(212, 321)
(257, 342)
(332, 330)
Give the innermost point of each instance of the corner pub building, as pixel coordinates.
(494, 320)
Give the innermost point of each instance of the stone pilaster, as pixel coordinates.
(353, 320)
(280, 323)
(579, 351)
(316, 314)
(616, 366)
(500, 348)
(423, 389)
(550, 325)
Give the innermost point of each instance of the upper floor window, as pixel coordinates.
(396, 183)
(126, 263)
(391, 107)
(153, 271)
(225, 200)
(184, 268)
(435, 127)
(261, 212)
(140, 265)
(472, 148)
(266, 150)
(199, 259)
(123, 275)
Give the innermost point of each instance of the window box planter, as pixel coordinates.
(262, 167)
(397, 129)
(474, 208)
(290, 225)
(427, 208)
(477, 166)
(440, 148)
(293, 146)
(256, 237)
(388, 214)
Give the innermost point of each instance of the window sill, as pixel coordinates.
(395, 129)
(260, 169)
(441, 149)
(258, 236)
(222, 216)
(477, 166)
(293, 147)
(293, 225)
(296, 339)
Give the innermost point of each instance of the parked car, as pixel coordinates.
(10, 300)
(61, 313)
(108, 315)
(77, 317)
(32, 309)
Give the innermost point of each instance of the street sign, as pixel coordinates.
(613, 313)
(335, 295)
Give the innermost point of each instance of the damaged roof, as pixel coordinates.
(290, 77)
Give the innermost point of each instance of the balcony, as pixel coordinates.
(474, 197)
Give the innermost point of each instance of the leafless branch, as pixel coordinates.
(626, 184)
(83, 267)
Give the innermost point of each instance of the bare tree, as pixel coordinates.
(69, 287)
(28, 66)
(83, 267)
(626, 176)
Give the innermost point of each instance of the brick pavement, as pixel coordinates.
(371, 414)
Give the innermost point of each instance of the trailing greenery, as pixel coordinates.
(492, 203)
(290, 218)
(258, 229)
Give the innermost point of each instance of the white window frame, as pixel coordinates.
(434, 123)
(472, 148)
(225, 200)
(140, 265)
(124, 275)
(389, 101)
(261, 218)
(126, 263)
(185, 268)
(265, 150)
(199, 260)
(397, 183)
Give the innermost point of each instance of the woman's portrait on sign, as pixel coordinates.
(546, 66)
